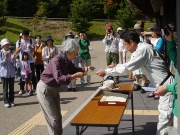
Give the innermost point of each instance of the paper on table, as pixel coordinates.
(116, 97)
(148, 88)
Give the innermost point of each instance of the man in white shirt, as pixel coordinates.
(111, 40)
(145, 57)
(25, 44)
(137, 73)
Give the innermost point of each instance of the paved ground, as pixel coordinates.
(26, 117)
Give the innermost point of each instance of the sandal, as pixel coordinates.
(156, 97)
(143, 91)
(151, 95)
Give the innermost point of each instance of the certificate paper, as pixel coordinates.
(114, 97)
(148, 89)
(92, 72)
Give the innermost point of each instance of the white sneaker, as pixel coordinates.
(30, 94)
(12, 104)
(27, 94)
(21, 92)
(34, 91)
(7, 105)
(88, 83)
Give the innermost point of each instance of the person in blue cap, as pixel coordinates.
(49, 51)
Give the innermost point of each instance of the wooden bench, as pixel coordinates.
(103, 116)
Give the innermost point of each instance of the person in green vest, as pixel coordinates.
(162, 90)
(84, 54)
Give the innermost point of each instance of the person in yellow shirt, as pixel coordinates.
(39, 65)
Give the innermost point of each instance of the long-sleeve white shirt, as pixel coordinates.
(111, 44)
(148, 60)
(46, 54)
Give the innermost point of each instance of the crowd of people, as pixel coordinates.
(42, 69)
(29, 60)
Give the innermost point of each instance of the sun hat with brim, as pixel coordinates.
(69, 34)
(137, 26)
(48, 38)
(108, 84)
(119, 29)
(154, 27)
(5, 41)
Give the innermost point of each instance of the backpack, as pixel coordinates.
(1, 54)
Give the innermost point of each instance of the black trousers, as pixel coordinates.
(34, 82)
(8, 96)
(39, 70)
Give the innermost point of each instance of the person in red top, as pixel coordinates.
(59, 71)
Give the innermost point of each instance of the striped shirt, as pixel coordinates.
(7, 67)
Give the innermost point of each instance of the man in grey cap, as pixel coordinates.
(137, 73)
(69, 35)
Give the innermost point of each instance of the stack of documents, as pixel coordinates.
(115, 97)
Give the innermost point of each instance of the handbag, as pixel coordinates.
(26, 71)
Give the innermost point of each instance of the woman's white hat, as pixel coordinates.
(119, 29)
(137, 26)
(4, 42)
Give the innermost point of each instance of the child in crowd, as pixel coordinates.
(26, 73)
(7, 72)
(18, 71)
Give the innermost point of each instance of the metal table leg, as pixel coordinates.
(115, 130)
(77, 130)
(132, 108)
(108, 128)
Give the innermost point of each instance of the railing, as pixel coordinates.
(61, 19)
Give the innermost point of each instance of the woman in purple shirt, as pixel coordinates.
(7, 72)
(59, 71)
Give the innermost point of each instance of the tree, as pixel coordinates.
(22, 8)
(125, 16)
(110, 8)
(53, 8)
(80, 15)
(3, 4)
(42, 10)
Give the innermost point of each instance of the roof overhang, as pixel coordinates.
(149, 8)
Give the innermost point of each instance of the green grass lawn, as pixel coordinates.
(14, 27)
(97, 30)
(57, 29)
